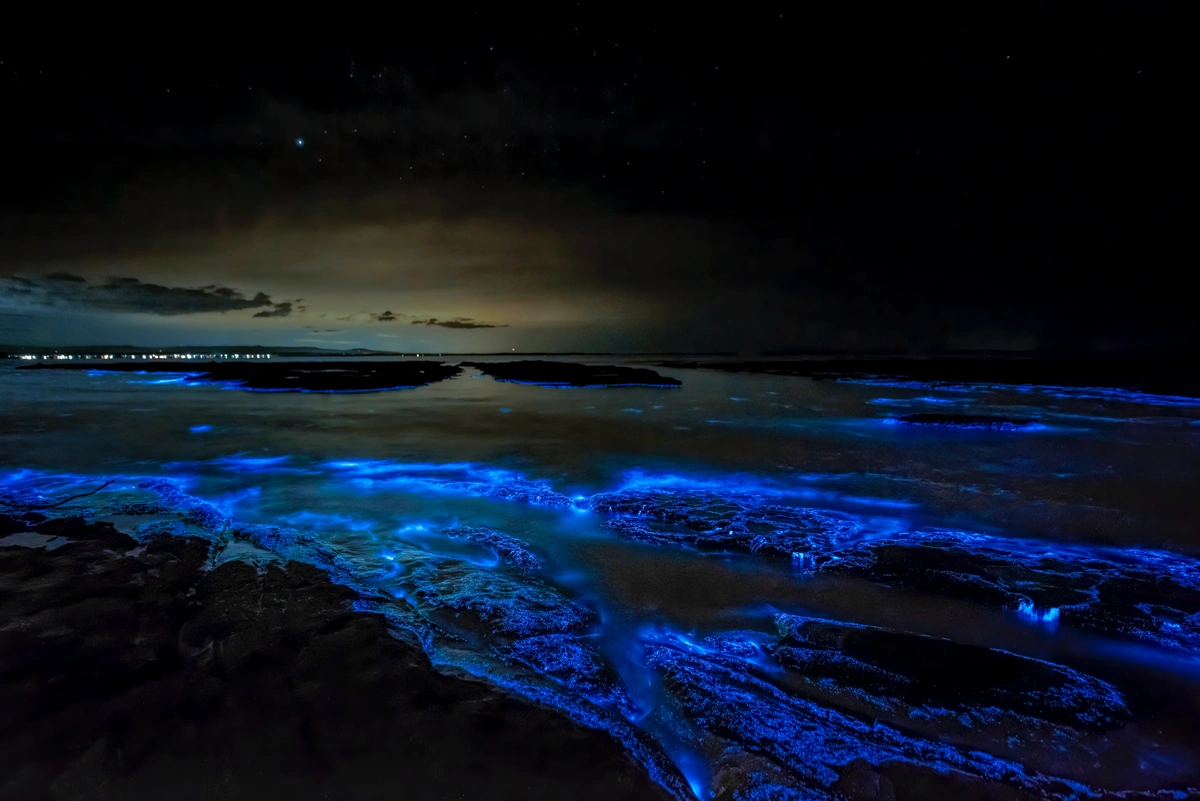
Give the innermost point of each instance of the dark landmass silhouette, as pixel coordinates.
(572, 374)
(261, 376)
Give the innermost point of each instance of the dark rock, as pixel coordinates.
(894, 671)
(499, 603)
(268, 376)
(712, 521)
(508, 548)
(1152, 596)
(571, 374)
(820, 752)
(126, 671)
(517, 490)
(577, 665)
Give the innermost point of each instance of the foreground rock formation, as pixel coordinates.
(126, 667)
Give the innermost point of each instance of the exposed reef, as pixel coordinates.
(508, 548)
(1139, 594)
(494, 602)
(1153, 596)
(572, 374)
(573, 661)
(265, 376)
(970, 421)
(773, 743)
(967, 684)
(711, 521)
(127, 667)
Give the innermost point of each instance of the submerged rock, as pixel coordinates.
(907, 676)
(973, 421)
(1145, 595)
(572, 374)
(519, 490)
(172, 499)
(268, 376)
(502, 604)
(1153, 596)
(817, 750)
(510, 549)
(721, 522)
(574, 662)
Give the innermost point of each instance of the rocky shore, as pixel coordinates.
(129, 666)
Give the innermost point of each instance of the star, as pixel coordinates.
(299, 143)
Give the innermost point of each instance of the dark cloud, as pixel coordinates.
(131, 295)
(385, 317)
(280, 310)
(457, 322)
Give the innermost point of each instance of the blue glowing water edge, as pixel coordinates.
(499, 581)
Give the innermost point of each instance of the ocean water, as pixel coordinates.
(390, 490)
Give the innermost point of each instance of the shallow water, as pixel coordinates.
(379, 478)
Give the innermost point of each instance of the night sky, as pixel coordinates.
(606, 178)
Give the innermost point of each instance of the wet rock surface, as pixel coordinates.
(510, 549)
(266, 376)
(573, 661)
(520, 608)
(570, 374)
(815, 708)
(126, 668)
(776, 744)
(712, 521)
(1151, 596)
(888, 670)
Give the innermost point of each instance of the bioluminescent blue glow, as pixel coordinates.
(653, 612)
(1000, 426)
(1028, 611)
(1105, 394)
(649, 480)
